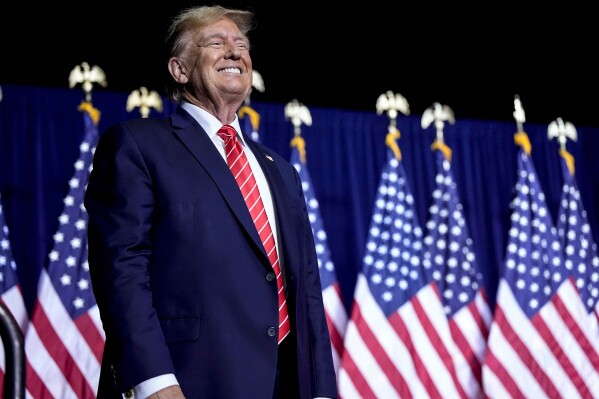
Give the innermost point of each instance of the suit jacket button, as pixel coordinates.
(129, 394)
(270, 276)
(271, 331)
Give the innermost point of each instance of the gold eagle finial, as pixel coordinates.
(87, 76)
(144, 99)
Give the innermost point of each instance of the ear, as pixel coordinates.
(178, 70)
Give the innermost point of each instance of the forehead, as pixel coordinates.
(222, 27)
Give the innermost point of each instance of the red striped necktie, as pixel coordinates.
(240, 167)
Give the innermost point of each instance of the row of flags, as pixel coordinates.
(420, 316)
(419, 325)
(64, 338)
(543, 341)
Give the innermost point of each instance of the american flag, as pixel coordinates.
(539, 345)
(333, 304)
(397, 342)
(580, 250)
(10, 288)
(65, 339)
(449, 260)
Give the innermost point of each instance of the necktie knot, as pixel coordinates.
(227, 132)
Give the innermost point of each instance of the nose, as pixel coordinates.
(232, 52)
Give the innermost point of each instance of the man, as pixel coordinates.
(200, 249)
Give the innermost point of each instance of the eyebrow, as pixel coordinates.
(219, 35)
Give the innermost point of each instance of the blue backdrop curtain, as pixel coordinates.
(41, 129)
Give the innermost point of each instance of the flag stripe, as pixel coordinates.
(472, 344)
(335, 320)
(555, 347)
(483, 316)
(367, 375)
(13, 299)
(38, 388)
(336, 341)
(571, 312)
(377, 354)
(380, 354)
(426, 320)
(89, 332)
(64, 333)
(500, 387)
(67, 364)
(355, 386)
(421, 372)
(42, 368)
(467, 355)
(507, 365)
(514, 329)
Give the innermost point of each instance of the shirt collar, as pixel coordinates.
(209, 123)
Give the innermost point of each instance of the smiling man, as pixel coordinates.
(200, 249)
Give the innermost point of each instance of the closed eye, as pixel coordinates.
(243, 46)
(216, 44)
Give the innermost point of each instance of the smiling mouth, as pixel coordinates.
(236, 71)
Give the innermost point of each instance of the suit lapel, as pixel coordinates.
(284, 207)
(199, 144)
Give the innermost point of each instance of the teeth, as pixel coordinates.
(232, 70)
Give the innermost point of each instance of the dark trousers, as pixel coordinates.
(286, 381)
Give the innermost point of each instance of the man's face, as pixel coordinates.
(221, 63)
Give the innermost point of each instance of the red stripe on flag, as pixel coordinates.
(402, 331)
(476, 315)
(560, 356)
(586, 346)
(60, 354)
(464, 346)
(524, 354)
(380, 354)
(35, 386)
(336, 339)
(90, 333)
(356, 377)
(503, 375)
(435, 339)
(480, 322)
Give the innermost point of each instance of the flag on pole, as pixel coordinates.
(65, 339)
(538, 345)
(10, 289)
(580, 250)
(250, 121)
(397, 342)
(449, 260)
(333, 303)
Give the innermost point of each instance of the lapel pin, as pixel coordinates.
(269, 157)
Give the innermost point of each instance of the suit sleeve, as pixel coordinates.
(120, 203)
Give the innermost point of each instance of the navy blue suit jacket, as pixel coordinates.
(180, 275)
